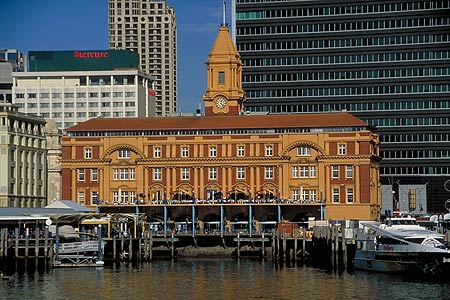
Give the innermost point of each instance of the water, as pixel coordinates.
(214, 279)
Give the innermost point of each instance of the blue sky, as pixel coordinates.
(83, 24)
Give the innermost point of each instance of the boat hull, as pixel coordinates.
(402, 262)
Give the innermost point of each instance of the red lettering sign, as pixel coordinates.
(95, 54)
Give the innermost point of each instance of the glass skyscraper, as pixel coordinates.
(386, 62)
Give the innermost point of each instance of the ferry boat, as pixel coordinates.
(400, 245)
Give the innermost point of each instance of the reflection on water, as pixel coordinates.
(213, 279)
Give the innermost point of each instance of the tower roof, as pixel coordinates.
(224, 46)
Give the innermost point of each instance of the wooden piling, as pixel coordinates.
(130, 249)
(114, 247)
(284, 245)
(172, 246)
(46, 243)
(150, 255)
(262, 246)
(238, 249)
(304, 245)
(344, 247)
(295, 248)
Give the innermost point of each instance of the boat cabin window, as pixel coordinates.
(391, 222)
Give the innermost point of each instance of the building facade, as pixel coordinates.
(320, 162)
(23, 159)
(5, 81)
(71, 97)
(17, 59)
(386, 62)
(148, 27)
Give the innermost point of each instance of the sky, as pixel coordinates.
(31, 25)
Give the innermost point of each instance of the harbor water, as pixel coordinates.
(213, 279)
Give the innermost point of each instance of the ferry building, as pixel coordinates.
(323, 165)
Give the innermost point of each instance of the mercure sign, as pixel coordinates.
(90, 54)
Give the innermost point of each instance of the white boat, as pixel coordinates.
(400, 245)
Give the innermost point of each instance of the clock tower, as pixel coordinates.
(224, 94)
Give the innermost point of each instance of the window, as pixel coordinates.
(269, 172)
(349, 195)
(212, 151)
(312, 171)
(94, 197)
(335, 171)
(115, 197)
(304, 151)
(240, 173)
(80, 174)
(342, 149)
(221, 77)
(157, 152)
(94, 174)
(132, 197)
(157, 174)
(304, 171)
(184, 173)
(269, 150)
(81, 197)
(123, 174)
(116, 174)
(349, 171)
(335, 195)
(87, 153)
(241, 151)
(212, 173)
(312, 195)
(184, 151)
(132, 174)
(295, 195)
(124, 153)
(294, 172)
(305, 195)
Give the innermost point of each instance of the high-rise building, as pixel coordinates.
(148, 27)
(386, 62)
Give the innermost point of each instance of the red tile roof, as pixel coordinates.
(220, 122)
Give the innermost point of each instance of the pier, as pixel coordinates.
(147, 232)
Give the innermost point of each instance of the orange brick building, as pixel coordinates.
(327, 161)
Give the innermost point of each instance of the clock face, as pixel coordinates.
(221, 102)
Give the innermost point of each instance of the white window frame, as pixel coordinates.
(335, 195)
(342, 149)
(335, 171)
(312, 172)
(132, 173)
(94, 197)
(268, 172)
(81, 175)
(157, 174)
(157, 152)
(132, 197)
(304, 151)
(87, 153)
(81, 198)
(212, 151)
(184, 173)
(295, 172)
(305, 195)
(295, 195)
(184, 151)
(349, 171)
(240, 173)
(124, 174)
(123, 153)
(212, 173)
(269, 150)
(240, 151)
(304, 171)
(349, 195)
(313, 195)
(115, 196)
(94, 174)
(115, 174)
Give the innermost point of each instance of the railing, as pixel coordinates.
(77, 247)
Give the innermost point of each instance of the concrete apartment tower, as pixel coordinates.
(149, 28)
